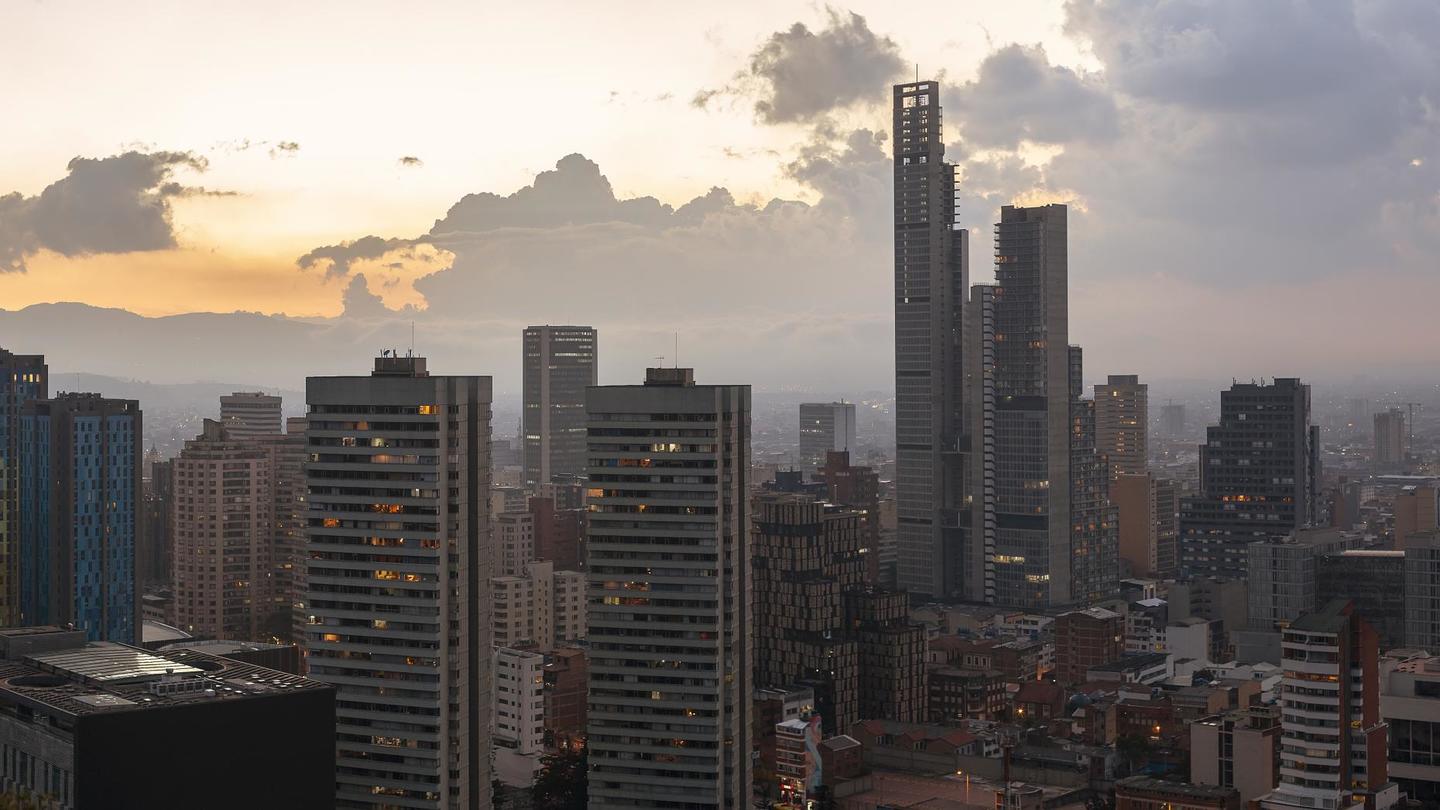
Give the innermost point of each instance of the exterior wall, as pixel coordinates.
(825, 427)
(559, 363)
(1084, 639)
(397, 583)
(519, 712)
(249, 415)
(1122, 424)
(23, 377)
(514, 543)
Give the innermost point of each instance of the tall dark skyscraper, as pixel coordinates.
(23, 377)
(1259, 474)
(81, 496)
(931, 284)
(559, 364)
(1045, 532)
(668, 583)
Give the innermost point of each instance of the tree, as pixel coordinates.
(561, 783)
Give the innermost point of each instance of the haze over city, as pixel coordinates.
(253, 201)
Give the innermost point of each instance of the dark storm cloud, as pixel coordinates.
(1020, 96)
(116, 204)
(798, 75)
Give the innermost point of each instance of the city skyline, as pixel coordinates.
(1187, 181)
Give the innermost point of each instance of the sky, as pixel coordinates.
(262, 192)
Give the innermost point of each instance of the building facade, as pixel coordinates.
(931, 284)
(1084, 639)
(23, 377)
(825, 427)
(669, 602)
(81, 497)
(1259, 477)
(1122, 424)
(1147, 511)
(560, 362)
(1389, 454)
(399, 564)
(1239, 749)
(250, 414)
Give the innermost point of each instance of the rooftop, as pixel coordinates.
(1131, 663)
(1150, 783)
(103, 676)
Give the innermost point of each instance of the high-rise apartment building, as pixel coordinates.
(1422, 590)
(287, 455)
(23, 377)
(1259, 477)
(224, 518)
(1172, 421)
(519, 712)
(1045, 532)
(81, 496)
(1122, 424)
(825, 427)
(1417, 510)
(399, 565)
(1147, 510)
(514, 542)
(559, 533)
(931, 284)
(859, 489)
(1333, 738)
(1374, 580)
(152, 557)
(538, 608)
(560, 363)
(892, 653)
(670, 607)
(248, 414)
(1389, 441)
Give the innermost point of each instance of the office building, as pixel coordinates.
(1422, 591)
(1417, 510)
(825, 427)
(1045, 534)
(1259, 477)
(81, 724)
(1238, 749)
(152, 559)
(1281, 584)
(519, 714)
(1147, 510)
(1084, 639)
(1122, 424)
(1390, 441)
(1172, 421)
(224, 518)
(1374, 580)
(1333, 739)
(23, 377)
(1410, 705)
(81, 495)
(566, 694)
(397, 581)
(806, 556)
(858, 488)
(560, 363)
(249, 414)
(931, 283)
(669, 602)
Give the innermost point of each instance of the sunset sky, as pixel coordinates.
(1259, 179)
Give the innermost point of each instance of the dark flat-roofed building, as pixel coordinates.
(107, 726)
(1149, 793)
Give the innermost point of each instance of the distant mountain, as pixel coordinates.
(199, 397)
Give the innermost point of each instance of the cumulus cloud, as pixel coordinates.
(1019, 96)
(284, 148)
(799, 75)
(117, 204)
(410, 162)
(336, 259)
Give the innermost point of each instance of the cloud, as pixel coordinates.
(284, 148)
(799, 75)
(117, 204)
(1019, 96)
(410, 162)
(336, 259)
(359, 302)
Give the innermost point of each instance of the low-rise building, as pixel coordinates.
(1410, 703)
(1149, 793)
(1238, 749)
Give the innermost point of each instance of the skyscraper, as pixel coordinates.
(1172, 420)
(248, 414)
(398, 479)
(23, 377)
(1389, 440)
(224, 519)
(825, 427)
(668, 573)
(1146, 510)
(1122, 424)
(1259, 477)
(81, 496)
(931, 284)
(1045, 530)
(560, 362)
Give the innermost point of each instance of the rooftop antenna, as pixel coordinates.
(677, 350)
(917, 72)
(412, 339)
